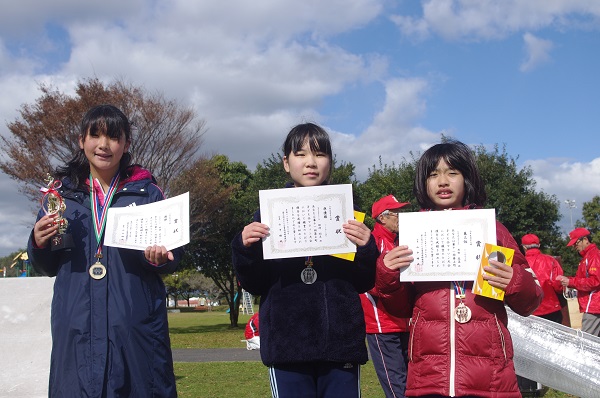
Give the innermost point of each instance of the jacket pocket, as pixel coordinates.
(412, 326)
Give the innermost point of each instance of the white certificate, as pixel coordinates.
(446, 245)
(165, 223)
(306, 221)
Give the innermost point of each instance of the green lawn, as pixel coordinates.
(205, 330)
(241, 379)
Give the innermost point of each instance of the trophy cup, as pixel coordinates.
(53, 203)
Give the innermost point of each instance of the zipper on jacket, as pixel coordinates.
(375, 310)
(587, 306)
(501, 337)
(451, 391)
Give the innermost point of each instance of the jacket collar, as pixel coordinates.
(385, 233)
(589, 248)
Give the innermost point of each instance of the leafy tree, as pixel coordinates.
(385, 180)
(188, 283)
(174, 286)
(591, 217)
(206, 287)
(591, 220)
(166, 136)
(215, 185)
(512, 193)
(188, 286)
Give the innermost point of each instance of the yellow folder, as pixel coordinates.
(493, 252)
(358, 216)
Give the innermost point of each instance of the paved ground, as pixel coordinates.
(215, 355)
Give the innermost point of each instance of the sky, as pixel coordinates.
(384, 77)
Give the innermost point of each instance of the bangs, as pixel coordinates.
(316, 142)
(106, 119)
(111, 128)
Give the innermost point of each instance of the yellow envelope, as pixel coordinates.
(358, 216)
(498, 253)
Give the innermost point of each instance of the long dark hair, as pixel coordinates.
(458, 156)
(101, 119)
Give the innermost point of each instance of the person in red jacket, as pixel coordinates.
(586, 280)
(387, 332)
(251, 333)
(451, 355)
(546, 269)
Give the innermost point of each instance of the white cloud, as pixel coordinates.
(394, 131)
(537, 52)
(491, 19)
(255, 69)
(567, 180)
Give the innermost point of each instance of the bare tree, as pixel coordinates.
(166, 135)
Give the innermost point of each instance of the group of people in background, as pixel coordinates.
(110, 330)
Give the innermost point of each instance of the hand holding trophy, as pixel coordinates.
(53, 203)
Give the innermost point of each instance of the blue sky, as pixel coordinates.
(384, 77)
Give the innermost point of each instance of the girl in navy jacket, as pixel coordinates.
(312, 331)
(109, 325)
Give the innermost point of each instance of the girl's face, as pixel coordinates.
(445, 186)
(103, 153)
(307, 168)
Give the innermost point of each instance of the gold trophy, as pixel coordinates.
(53, 203)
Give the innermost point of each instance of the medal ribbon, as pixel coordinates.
(99, 211)
(459, 290)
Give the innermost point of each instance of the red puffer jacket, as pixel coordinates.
(475, 358)
(546, 270)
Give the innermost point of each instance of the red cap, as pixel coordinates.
(530, 239)
(386, 203)
(576, 234)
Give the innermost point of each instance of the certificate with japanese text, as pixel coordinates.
(165, 223)
(306, 221)
(446, 245)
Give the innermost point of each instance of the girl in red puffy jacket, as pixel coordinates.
(449, 355)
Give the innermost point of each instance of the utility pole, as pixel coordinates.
(571, 205)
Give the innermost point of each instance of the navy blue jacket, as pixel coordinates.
(299, 323)
(110, 337)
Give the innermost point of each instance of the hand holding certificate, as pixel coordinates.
(306, 221)
(165, 223)
(446, 245)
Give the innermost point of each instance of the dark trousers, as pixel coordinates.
(315, 380)
(553, 316)
(389, 353)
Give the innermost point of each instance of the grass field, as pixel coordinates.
(237, 379)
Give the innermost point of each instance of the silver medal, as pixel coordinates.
(308, 275)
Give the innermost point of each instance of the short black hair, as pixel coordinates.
(318, 139)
